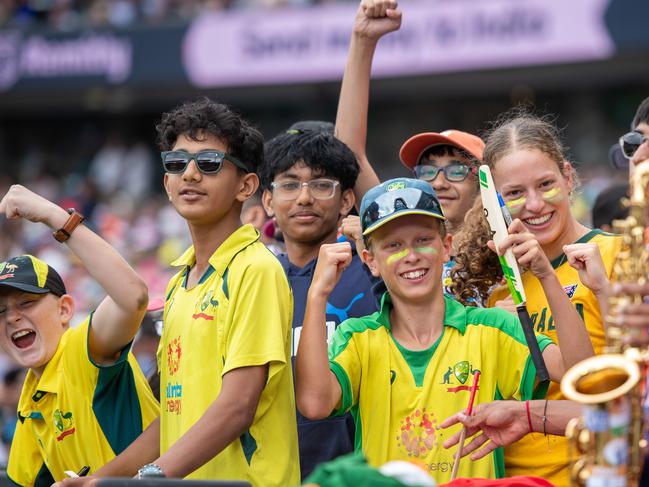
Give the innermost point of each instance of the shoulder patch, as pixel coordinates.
(570, 290)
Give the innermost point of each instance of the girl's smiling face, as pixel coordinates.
(536, 192)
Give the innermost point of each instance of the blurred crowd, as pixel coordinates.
(66, 15)
(116, 194)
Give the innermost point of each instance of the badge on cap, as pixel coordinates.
(396, 185)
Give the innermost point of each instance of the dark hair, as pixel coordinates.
(641, 114)
(451, 151)
(608, 205)
(317, 149)
(204, 117)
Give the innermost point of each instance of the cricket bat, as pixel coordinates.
(499, 218)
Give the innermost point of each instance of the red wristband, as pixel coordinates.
(529, 416)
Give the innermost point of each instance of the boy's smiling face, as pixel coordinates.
(306, 219)
(409, 254)
(207, 198)
(456, 197)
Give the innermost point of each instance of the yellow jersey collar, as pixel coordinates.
(454, 313)
(34, 388)
(221, 258)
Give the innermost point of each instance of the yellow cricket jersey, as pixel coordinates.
(78, 413)
(547, 457)
(238, 315)
(398, 397)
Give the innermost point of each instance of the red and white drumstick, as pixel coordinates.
(469, 411)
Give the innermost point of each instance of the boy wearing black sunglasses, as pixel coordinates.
(308, 176)
(226, 386)
(635, 144)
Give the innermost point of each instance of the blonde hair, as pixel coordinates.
(519, 129)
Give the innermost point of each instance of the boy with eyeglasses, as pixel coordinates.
(84, 399)
(425, 153)
(448, 161)
(226, 383)
(404, 369)
(308, 179)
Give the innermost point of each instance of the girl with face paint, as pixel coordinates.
(532, 174)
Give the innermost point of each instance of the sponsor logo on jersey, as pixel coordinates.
(416, 435)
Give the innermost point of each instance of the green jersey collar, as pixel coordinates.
(454, 313)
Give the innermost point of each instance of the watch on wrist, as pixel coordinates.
(150, 470)
(74, 220)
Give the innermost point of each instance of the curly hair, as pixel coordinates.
(202, 118)
(317, 149)
(477, 268)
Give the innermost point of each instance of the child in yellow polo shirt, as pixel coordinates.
(404, 369)
(226, 390)
(84, 399)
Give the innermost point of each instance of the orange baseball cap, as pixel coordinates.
(415, 146)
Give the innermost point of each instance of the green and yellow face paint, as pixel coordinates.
(426, 250)
(553, 195)
(516, 206)
(397, 256)
(400, 255)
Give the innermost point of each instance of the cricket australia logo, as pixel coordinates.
(202, 306)
(7, 270)
(64, 423)
(396, 185)
(458, 373)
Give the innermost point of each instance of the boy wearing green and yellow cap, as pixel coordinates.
(404, 369)
(84, 399)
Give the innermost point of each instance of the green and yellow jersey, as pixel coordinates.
(398, 397)
(547, 456)
(238, 315)
(78, 413)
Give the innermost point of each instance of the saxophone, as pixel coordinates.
(607, 444)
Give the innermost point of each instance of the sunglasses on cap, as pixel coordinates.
(453, 172)
(392, 202)
(208, 161)
(629, 143)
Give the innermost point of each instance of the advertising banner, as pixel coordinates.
(257, 47)
(288, 46)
